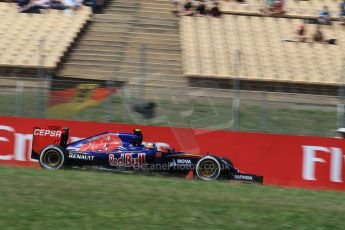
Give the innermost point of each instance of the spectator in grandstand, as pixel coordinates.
(201, 9)
(269, 2)
(22, 3)
(57, 5)
(187, 9)
(35, 6)
(278, 8)
(73, 4)
(188, 5)
(319, 37)
(96, 5)
(215, 12)
(300, 35)
(325, 16)
(301, 31)
(342, 12)
(175, 3)
(238, 1)
(274, 8)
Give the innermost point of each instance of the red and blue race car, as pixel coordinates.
(127, 151)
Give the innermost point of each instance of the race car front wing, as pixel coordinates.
(247, 178)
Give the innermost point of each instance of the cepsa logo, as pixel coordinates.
(47, 132)
(17, 146)
(335, 162)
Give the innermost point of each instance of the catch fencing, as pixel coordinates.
(276, 110)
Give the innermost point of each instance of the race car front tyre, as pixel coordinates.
(208, 168)
(52, 157)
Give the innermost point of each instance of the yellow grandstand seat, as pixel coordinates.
(211, 45)
(24, 38)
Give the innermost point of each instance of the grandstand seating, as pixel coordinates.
(110, 46)
(31, 40)
(209, 47)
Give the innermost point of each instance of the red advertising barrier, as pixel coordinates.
(294, 161)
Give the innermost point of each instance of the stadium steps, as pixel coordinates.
(110, 47)
(160, 48)
(132, 54)
(108, 59)
(125, 68)
(105, 39)
(108, 53)
(108, 27)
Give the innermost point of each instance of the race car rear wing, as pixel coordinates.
(51, 135)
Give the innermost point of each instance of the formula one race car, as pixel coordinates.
(127, 151)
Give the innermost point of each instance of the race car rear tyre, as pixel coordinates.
(52, 157)
(208, 168)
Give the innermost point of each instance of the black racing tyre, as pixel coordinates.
(208, 168)
(52, 157)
